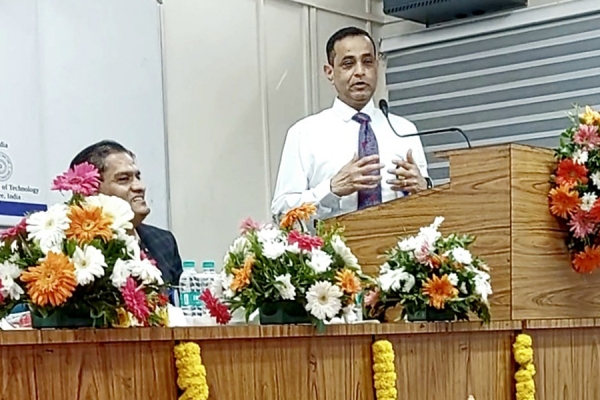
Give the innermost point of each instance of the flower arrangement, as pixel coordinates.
(77, 259)
(384, 371)
(433, 278)
(271, 264)
(191, 374)
(575, 186)
(523, 352)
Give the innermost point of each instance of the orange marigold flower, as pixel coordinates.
(301, 213)
(52, 282)
(587, 260)
(570, 173)
(439, 290)
(348, 281)
(563, 201)
(88, 223)
(241, 276)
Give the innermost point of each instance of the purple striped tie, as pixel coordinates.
(367, 146)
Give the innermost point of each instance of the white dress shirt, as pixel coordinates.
(318, 146)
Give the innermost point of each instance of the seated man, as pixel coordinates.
(347, 157)
(120, 177)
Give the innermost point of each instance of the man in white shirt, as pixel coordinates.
(347, 157)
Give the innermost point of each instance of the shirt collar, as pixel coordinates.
(346, 112)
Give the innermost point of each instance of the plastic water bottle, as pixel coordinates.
(189, 293)
(206, 276)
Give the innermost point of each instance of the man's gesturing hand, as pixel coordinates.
(358, 174)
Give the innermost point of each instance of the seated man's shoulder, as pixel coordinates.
(155, 231)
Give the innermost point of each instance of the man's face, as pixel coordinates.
(354, 70)
(121, 178)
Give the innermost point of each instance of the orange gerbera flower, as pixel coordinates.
(52, 282)
(439, 290)
(587, 260)
(302, 213)
(241, 276)
(348, 281)
(570, 173)
(563, 201)
(88, 223)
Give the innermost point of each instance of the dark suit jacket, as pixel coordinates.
(161, 245)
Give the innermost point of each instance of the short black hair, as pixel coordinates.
(96, 154)
(342, 34)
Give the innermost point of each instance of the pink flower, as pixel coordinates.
(15, 231)
(82, 179)
(249, 225)
(135, 301)
(144, 256)
(587, 136)
(305, 242)
(1, 297)
(581, 224)
(372, 297)
(216, 309)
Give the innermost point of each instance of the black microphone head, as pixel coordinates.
(383, 106)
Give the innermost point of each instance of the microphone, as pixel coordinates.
(383, 105)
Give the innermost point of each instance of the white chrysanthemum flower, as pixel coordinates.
(396, 279)
(133, 247)
(8, 287)
(587, 201)
(580, 157)
(344, 252)
(221, 286)
(240, 246)
(384, 268)
(319, 261)
(323, 300)
(463, 288)
(285, 287)
(482, 285)
(47, 228)
(115, 208)
(121, 272)
(89, 264)
(145, 271)
(453, 278)
(268, 235)
(273, 250)
(595, 177)
(293, 248)
(462, 256)
(409, 244)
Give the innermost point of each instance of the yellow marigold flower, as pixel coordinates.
(523, 375)
(531, 368)
(523, 355)
(384, 367)
(191, 374)
(387, 394)
(385, 358)
(523, 340)
(382, 345)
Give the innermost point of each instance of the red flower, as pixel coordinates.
(569, 173)
(588, 260)
(1, 297)
(163, 299)
(14, 231)
(82, 179)
(304, 241)
(216, 309)
(135, 301)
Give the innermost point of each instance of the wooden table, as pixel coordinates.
(438, 361)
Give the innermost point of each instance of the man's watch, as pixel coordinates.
(429, 182)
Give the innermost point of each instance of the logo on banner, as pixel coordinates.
(6, 167)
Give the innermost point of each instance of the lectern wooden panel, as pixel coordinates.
(499, 194)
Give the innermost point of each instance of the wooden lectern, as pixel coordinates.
(500, 195)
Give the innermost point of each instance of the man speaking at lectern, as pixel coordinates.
(348, 157)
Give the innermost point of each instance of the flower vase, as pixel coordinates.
(66, 319)
(283, 312)
(430, 315)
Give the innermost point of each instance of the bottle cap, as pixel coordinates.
(189, 264)
(208, 264)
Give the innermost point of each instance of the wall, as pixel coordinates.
(231, 95)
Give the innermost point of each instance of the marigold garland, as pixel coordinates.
(523, 353)
(191, 374)
(384, 371)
